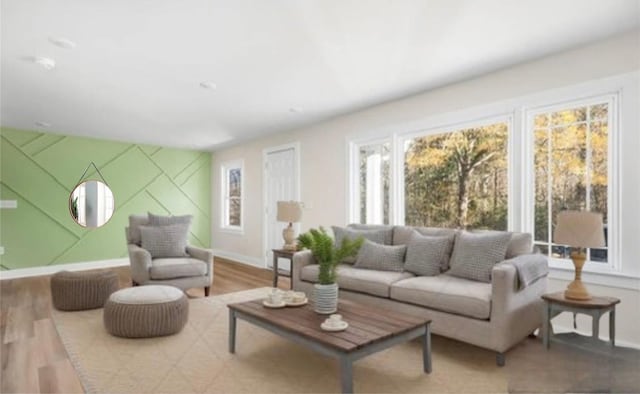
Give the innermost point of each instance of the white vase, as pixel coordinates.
(325, 298)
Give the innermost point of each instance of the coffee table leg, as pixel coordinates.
(232, 331)
(346, 375)
(426, 348)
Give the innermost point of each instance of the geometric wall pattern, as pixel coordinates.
(40, 170)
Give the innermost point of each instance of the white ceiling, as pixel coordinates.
(135, 73)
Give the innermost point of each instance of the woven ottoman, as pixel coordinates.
(146, 311)
(76, 291)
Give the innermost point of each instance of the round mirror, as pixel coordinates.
(91, 204)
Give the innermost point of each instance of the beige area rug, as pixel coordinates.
(196, 360)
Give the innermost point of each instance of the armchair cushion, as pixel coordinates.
(165, 241)
(171, 268)
(157, 220)
(135, 222)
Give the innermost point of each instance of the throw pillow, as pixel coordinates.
(339, 234)
(157, 220)
(475, 254)
(135, 221)
(425, 254)
(379, 257)
(165, 241)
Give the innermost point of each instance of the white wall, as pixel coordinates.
(324, 158)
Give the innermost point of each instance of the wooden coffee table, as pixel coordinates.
(370, 330)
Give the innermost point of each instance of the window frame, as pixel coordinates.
(613, 263)
(225, 169)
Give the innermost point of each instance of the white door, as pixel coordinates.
(281, 183)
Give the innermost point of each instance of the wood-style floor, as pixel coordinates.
(33, 357)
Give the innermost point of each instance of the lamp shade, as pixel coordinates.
(289, 211)
(579, 229)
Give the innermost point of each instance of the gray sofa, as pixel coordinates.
(495, 315)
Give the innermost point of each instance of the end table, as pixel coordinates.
(556, 303)
(285, 254)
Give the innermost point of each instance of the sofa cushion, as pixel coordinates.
(475, 254)
(388, 230)
(375, 256)
(446, 293)
(340, 233)
(176, 268)
(425, 254)
(361, 280)
(165, 241)
(520, 243)
(402, 235)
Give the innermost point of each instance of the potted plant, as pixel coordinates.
(328, 256)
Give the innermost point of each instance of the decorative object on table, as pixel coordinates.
(290, 212)
(328, 256)
(579, 229)
(274, 299)
(159, 253)
(295, 298)
(76, 291)
(91, 203)
(334, 323)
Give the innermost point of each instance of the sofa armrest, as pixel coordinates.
(300, 260)
(140, 260)
(202, 254)
(515, 313)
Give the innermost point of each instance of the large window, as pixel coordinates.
(374, 183)
(232, 174)
(571, 168)
(457, 178)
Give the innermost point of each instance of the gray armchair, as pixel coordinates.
(195, 270)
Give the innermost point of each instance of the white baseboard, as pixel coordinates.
(248, 260)
(51, 269)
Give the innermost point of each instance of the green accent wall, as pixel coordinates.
(40, 170)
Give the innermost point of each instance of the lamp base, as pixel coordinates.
(576, 289)
(289, 236)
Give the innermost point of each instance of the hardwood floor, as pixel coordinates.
(33, 357)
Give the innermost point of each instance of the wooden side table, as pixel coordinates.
(556, 303)
(285, 254)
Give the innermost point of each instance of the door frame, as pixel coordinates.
(265, 153)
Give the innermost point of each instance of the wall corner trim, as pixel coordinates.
(51, 269)
(240, 258)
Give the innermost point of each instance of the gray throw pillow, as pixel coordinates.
(425, 254)
(165, 241)
(135, 221)
(157, 220)
(475, 254)
(339, 234)
(379, 257)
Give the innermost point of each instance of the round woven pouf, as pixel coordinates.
(146, 311)
(76, 291)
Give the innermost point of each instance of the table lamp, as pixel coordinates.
(579, 229)
(291, 212)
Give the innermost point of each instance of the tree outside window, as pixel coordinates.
(570, 164)
(458, 178)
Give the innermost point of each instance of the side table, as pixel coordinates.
(277, 254)
(556, 303)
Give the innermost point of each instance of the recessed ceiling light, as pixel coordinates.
(295, 110)
(45, 62)
(62, 42)
(208, 85)
(43, 124)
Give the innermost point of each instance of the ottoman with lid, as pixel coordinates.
(76, 291)
(146, 311)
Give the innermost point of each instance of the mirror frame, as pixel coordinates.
(71, 202)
